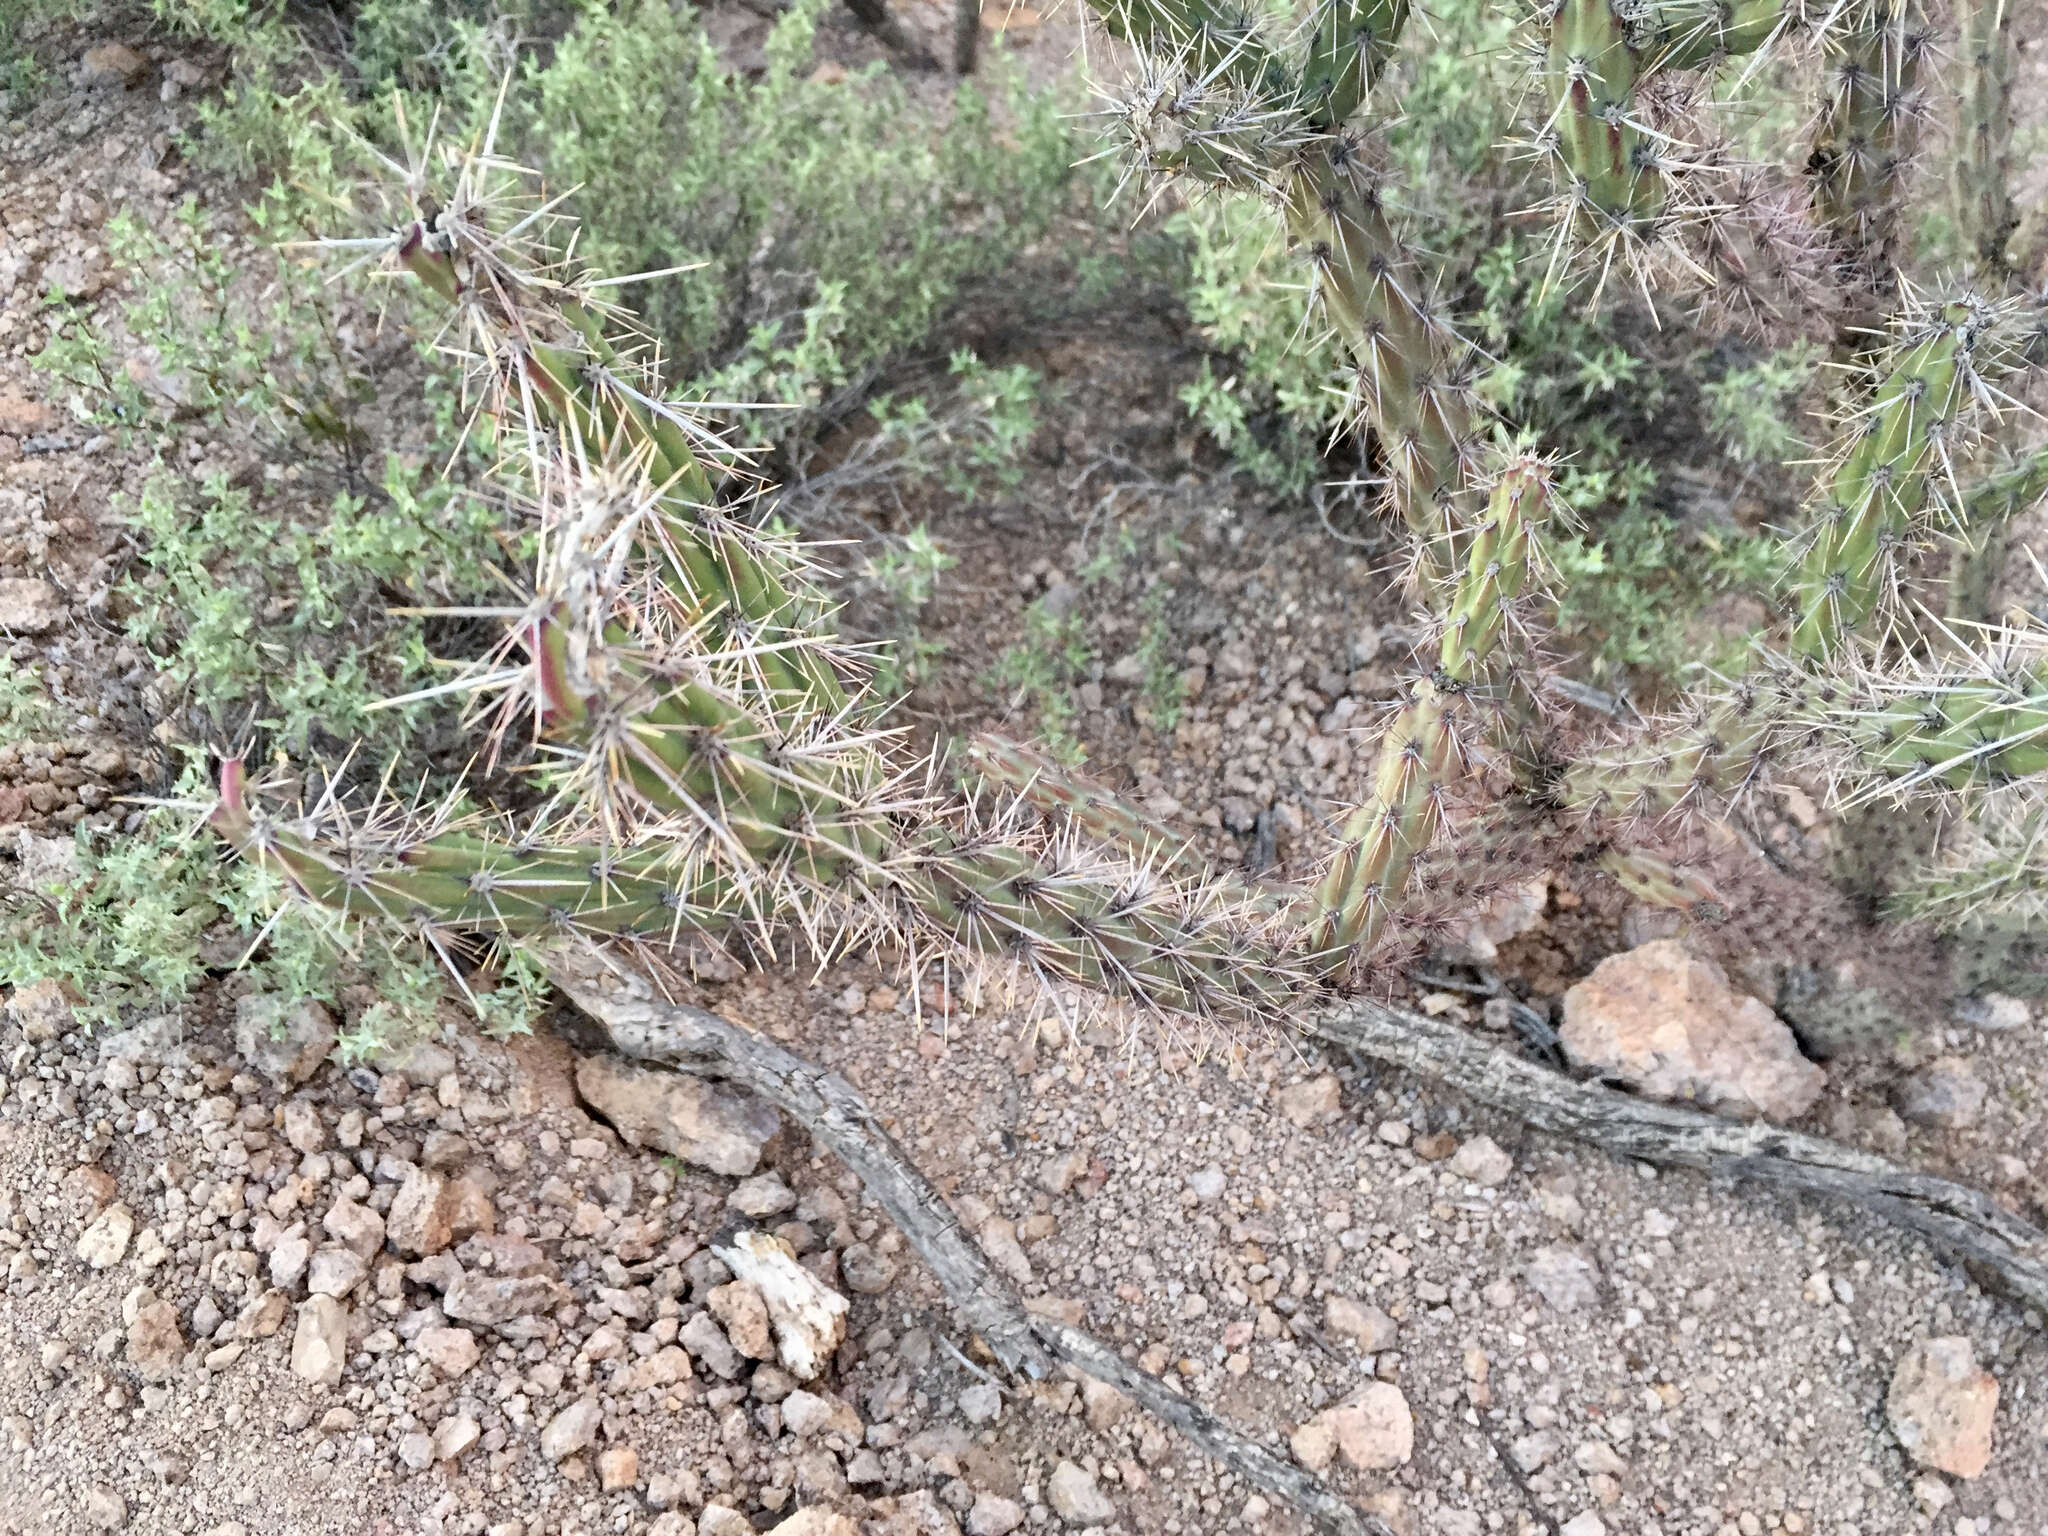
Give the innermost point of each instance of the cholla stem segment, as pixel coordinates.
(1983, 195)
(1873, 51)
(1423, 755)
(1900, 457)
(1350, 43)
(1410, 365)
(1598, 58)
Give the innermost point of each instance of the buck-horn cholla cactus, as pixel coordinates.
(1622, 120)
(712, 760)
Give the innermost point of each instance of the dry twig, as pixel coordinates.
(691, 1040)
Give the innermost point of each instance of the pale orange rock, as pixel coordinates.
(1941, 1406)
(1666, 1022)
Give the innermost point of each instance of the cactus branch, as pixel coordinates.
(1983, 193)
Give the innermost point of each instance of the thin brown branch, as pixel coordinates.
(691, 1040)
(2010, 1254)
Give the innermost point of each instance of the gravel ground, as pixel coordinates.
(230, 1304)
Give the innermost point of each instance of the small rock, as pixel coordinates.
(618, 1468)
(29, 606)
(1075, 1498)
(320, 1346)
(1995, 1012)
(1482, 1161)
(1310, 1103)
(992, 1515)
(808, 1317)
(816, 1521)
(708, 1127)
(105, 1243)
(287, 1047)
(709, 1346)
(998, 1239)
(721, 1520)
(1361, 1322)
(492, 1299)
(156, 1343)
(417, 1223)
(573, 1429)
(105, 1508)
(1565, 1277)
(1941, 1406)
(1508, 914)
(1103, 1405)
(416, 1450)
(112, 64)
(981, 1403)
(335, 1272)
(1533, 1451)
(290, 1259)
(744, 1315)
(1585, 1523)
(1597, 1456)
(304, 1130)
(1946, 1094)
(455, 1435)
(761, 1196)
(1666, 1022)
(42, 1010)
(355, 1227)
(1207, 1183)
(1374, 1429)
(453, 1352)
(805, 1414)
(1315, 1443)
(865, 1271)
(263, 1316)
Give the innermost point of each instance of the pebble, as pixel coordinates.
(1946, 1095)
(320, 1345)
(156, 1344)
(1312, 1102)
(105, 1243)
(1363, 1323)
(1566, 1278)
(1482, 1162)
(1374, 1429)
(709, 1346)
(618, 1468)
(762, 1196)
(453, 1352)
(1207, 1183)
(981, 1403)
(454, 1436)
(1942, 1407)
(740, 1308)
(335, 1272)
(573, 1429)
(991, 1515)
(866, 1271)
(105, 1508)
(112, 64)
(1076, 1498)
(1586, 1523)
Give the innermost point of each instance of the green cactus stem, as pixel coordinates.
(1409, 363)
(1423, 756)
(1350, 44)
(1983, 192)
(1872, 51)
(1874, 497)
